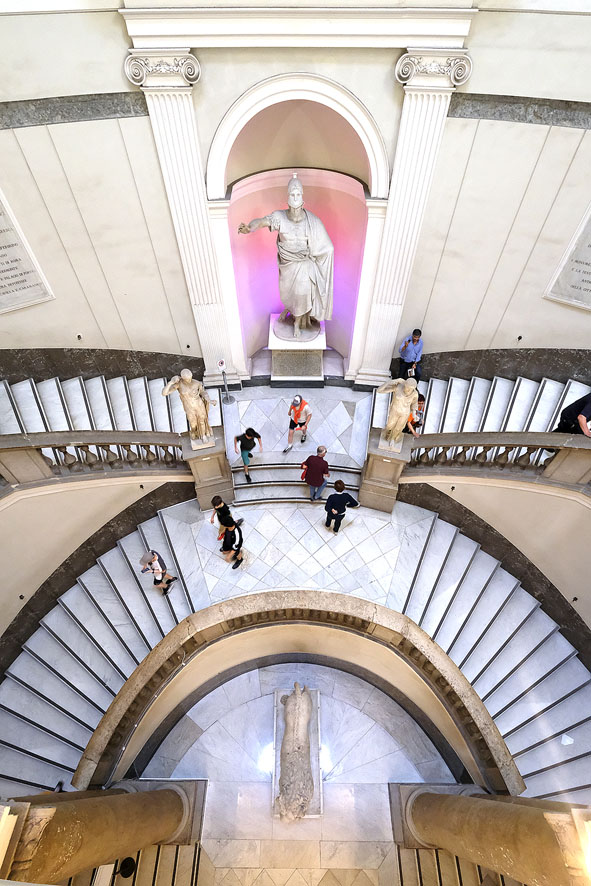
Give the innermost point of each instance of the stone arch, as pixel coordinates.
(237, 631)
(290, 87)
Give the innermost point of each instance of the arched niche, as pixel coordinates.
(232, 635)
(300, 88)
(339, 201)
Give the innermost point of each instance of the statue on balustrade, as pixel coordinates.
(403, 402)
(296, 784)
(305, 258)
(196, 404)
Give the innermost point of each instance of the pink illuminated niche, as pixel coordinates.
(339, 201)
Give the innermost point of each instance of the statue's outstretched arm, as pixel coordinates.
(253, 225)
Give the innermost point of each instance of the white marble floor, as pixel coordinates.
(367, 740)
(289, 546)
(340, 419)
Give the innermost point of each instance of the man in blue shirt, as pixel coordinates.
(411, 351)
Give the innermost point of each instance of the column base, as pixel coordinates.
(373, 377)
(215, 379)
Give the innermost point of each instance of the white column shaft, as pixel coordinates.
(220, 232)
(376, 216)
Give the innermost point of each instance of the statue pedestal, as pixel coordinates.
(210, 469)
(295, 360)
(382, 470)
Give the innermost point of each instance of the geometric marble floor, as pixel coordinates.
(367, 740)
(288, 545)
(340, 420)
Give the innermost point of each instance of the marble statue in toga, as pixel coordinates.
(305, 259)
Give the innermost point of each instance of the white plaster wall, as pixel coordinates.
(505, 203)
(75, 53)
(91, 201)
(537, 54)
(226, 74)
(42, 526)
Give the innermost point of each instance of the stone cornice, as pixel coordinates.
(162, 68)
(322, 27)
(433, 69)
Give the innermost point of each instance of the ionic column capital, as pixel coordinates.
(434, 69)
(162, 68)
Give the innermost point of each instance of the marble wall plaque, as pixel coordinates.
(21, 280)
(572, 283)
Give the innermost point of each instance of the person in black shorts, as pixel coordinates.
(247, 442)
(233, 542)
(222, 511)
(153, 562)
(574, 419)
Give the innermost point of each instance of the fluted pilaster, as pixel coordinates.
(429, 80)
(167, 78)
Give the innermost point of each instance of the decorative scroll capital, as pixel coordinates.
(162, 68)
(434, 68)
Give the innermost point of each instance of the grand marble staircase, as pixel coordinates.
(497, 404)
(189, 866)
(71, 667)
(455, 405)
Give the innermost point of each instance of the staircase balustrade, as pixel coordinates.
(559, 458)
(24, 458)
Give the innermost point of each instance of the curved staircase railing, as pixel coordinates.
(30, 458)
(561, 459)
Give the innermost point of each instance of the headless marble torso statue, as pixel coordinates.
(296, 784)
(404, 400)
(305, 261)
(196, 404)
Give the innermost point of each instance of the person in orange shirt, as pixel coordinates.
(299, 418)
(415, 419)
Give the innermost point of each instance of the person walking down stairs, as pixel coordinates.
(232, 545)
(152, 562)
(222, 511)
(299, 414)
(247, 442)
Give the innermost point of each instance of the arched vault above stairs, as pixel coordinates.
(233, 634)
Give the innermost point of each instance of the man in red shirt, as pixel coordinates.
(316, 473)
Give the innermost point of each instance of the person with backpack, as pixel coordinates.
(152, 562)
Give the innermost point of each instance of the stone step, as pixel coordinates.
(259, 492)
(432, 563)
(155, 538)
